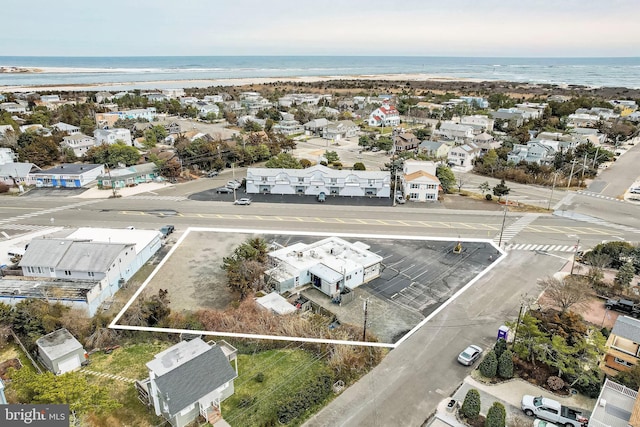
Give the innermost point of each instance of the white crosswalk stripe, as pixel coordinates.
(45, 212)
(511, 231)
(585, 218)
(172, 198)
(25, 227)
(542, 247)
(599, 196)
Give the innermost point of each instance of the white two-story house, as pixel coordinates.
(385, 115)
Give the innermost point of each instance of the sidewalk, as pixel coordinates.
(96, 193)
(509, 393)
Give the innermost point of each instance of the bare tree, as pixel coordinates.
(462, 180)
(597, 262)
(566, 293)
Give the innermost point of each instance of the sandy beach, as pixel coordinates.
(167, 84)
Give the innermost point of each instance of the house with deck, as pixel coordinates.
(79, 143)
(623, 346)
(189, 380)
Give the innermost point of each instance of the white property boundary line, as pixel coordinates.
(114, 324)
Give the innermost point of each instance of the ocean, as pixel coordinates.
(168, 71)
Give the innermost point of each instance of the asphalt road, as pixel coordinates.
(155, 211)
(412, 379)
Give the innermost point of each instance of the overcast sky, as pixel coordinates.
(331, 27)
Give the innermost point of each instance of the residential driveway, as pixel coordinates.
(510, 393)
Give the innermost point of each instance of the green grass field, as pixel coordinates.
(266, 379)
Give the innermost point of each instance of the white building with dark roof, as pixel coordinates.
(318, 179)
(67, 175)
(189, 379)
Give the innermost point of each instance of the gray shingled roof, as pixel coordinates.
(194, 379)
(44, 252)
(90, 256)
(69, 255)
(627, 327)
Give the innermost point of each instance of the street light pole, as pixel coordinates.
(504, 218)
(364, 329)
(573, 165)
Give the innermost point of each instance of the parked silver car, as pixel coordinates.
(469, 355)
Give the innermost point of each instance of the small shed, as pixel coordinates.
(60, 352)
(276, 303)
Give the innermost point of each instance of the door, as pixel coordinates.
(69, 364)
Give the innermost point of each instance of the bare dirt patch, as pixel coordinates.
(193, 275)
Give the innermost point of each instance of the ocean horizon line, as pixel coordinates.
(321, 56)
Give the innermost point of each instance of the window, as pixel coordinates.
(415, 186)
(414, 196)
(40, 270)
(67, 273)
(349, 277)
(90, 273)
(623, 362)
(51, 269)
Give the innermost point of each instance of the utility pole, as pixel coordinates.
(113, 185)
(515, 333)
(575, 254)
(233, 174)
(555, 175)
(584, 166)
(573, 165)
(504, 218)
(364, 329)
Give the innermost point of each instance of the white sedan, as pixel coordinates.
(469, 355)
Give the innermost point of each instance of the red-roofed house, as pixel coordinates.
(421, 186)
(385, 115)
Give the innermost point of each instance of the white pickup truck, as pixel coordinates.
(551, 410)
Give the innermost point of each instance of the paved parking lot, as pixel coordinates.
(211, 195)
(420, 275)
